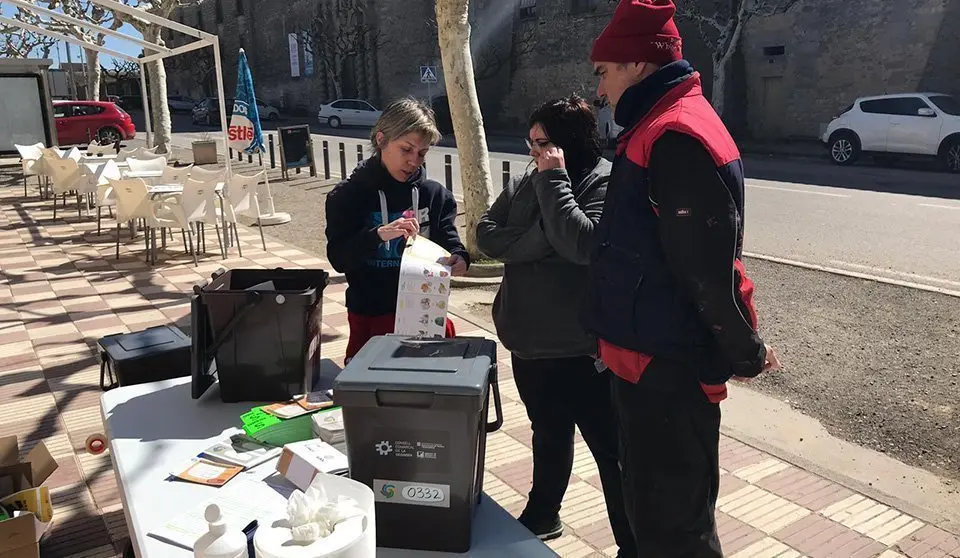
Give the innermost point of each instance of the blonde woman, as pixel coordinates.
(386, 200)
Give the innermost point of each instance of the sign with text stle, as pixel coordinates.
(244, 131)
(424, 290)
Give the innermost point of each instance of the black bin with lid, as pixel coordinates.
(415, 418)
(259, 331)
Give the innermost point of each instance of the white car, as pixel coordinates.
(268, 112)
(178, 103)
(919, 124)
(348, 112)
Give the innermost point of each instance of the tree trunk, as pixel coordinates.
(158, 95)
(454, 34)
(93, 74)
(719, 85)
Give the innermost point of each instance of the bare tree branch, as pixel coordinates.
(332, 38)
(494, 58)
(18, 43)
(122, 70)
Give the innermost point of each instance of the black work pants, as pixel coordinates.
(669, 446)
(558, 394)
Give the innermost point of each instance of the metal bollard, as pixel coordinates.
(359, 153)
(273, 160)
(448, 171)
(343, 161)
(505, 176)
(326, 160)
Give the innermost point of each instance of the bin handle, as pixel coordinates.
(253, 298)
(498, 408)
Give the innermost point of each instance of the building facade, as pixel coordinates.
(792, 72)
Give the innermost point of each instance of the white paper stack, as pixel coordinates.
(328, 426)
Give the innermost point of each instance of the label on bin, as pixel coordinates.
(408, 452)
(411, 493)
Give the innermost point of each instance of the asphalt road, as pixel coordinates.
(894, 223)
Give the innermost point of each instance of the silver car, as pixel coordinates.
(348, 112)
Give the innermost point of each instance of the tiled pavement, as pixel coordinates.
(61, 289)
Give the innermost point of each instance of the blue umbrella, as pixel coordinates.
(244, 132)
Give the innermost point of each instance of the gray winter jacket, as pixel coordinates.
(541, 228)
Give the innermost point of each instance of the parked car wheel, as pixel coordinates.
(950, 155)
(108, 136)
(334, 122)
(844, 148)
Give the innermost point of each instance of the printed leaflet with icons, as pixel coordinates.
(424, 290)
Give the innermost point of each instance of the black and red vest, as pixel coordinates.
(634, 301)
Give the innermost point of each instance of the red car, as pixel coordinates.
(80, 122)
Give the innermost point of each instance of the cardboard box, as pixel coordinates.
(20, 536)
(301, 461)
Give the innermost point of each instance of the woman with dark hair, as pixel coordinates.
(540, 227)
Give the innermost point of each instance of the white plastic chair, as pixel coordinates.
(29, 159)
(133, 202)
(206, 175)
(176, 175)
(136, 152)
(199, 204)
(242, 199)
(74, 153)
(155, 164)
(97, 150)
(65, 174)
(100, 184)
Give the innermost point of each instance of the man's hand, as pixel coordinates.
(458, 266)
(551, 158)
(401, 227)
(770, 364)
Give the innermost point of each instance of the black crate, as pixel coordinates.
(154, 354)
(263, 343)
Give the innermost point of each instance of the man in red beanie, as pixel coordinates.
(668, 299)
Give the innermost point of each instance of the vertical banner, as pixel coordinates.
(244, 131)
(294, 55)
(307, 56)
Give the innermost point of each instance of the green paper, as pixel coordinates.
(282, 432)
(257, 419)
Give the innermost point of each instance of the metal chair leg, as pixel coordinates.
(24, 185)
(260, 228)
(118, 241)
(236, 234)
(192, 251)
(54, 208)
(99, 212)
(223, 250)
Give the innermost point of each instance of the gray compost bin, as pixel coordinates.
(415, 417)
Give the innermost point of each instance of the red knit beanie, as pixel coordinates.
(640, 31)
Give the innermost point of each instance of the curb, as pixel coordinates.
(854, 274)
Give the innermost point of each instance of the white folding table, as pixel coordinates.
(153, 428)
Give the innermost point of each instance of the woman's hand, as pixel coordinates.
(402, 227)
(458, 266)
(550, 158)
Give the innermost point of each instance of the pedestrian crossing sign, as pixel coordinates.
(428, 74)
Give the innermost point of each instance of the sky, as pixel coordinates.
(118, 45)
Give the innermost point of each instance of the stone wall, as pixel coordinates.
(832, 52)
(836, 51)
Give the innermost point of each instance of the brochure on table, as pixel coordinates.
(424, 292)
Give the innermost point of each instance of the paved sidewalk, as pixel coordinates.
(61, 289)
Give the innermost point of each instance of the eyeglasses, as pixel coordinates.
(540, 143)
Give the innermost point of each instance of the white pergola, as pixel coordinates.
(159, 52)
